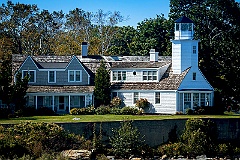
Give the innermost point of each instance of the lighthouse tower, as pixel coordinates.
(184, 47)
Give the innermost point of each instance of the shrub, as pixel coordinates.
(116, 102)
(45, 111)
(189, 111)
(101, 110)
(83, 111)
(126, 140)
(142, 103)
(4, 112)
(129, 111)
(35, 139)
(173, 149)
(116, 111)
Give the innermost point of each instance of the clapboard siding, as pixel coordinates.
(200, 82)
(61, 75)
(167, 105)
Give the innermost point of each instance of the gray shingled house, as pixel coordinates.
(170, 84)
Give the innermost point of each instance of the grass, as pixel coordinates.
(104, 118)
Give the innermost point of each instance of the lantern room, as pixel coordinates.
(183, 29)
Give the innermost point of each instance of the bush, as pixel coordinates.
(4, 112)
(101, 110)
(129, 111)
(142, 103)
(83, 111)
(189, 111)
(116, 111)
(172, 149)
(45, 111)
(126, 140)
(116, 102)
(35, 139)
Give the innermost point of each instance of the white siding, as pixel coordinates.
(167, 98)
(199, 84)
(167, 104)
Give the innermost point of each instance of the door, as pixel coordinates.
(61, 105)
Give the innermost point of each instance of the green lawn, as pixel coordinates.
(102, 118)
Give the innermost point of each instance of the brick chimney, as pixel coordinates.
(153, 55)
(84, 49)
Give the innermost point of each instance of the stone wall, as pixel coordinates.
(154, 132)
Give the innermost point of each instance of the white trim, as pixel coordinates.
(74, 74)
(159, 97)
(117, 75)
(150, 75)
(54, 81)
(34, 78)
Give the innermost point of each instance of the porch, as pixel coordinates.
(59, 103)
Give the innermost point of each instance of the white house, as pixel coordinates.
(170, 84)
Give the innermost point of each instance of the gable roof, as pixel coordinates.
(137, 64)
(169, 81)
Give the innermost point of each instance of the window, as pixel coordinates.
(194, 49)
(190, 26)
(119, 75)
(51, 76)
(149, 75)
(135, 97)
(31, 74)
(177, 26)
(157, 97)
(184, 27)
(74, 76)
(194, 76)
(187, 100)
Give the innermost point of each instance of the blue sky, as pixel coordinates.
(136, 10)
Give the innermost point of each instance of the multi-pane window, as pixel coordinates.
(135, 97)
(187, 100)
(157, 98)
(194, 76)
(51, 76)
(119, 75)
(74, 76)
(194, 49)
(31, 74)
(149, 75)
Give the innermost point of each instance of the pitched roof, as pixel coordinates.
(183, 19)
(169, 81)
(60, 89)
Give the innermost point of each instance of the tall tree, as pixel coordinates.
(102, 90)
(217, 25)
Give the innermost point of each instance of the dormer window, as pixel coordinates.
(51, 76)
(75, 76)
(119, 75)
(149, 75)
(31, 74)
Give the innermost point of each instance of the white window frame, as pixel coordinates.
(34, 73)
(54, 78)
(138, 97)
(116, 75)
(155, 97)
(148, 75)
(74, 75)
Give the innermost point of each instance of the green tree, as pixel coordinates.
(19, 91)
(6, 78)
(126, 140)
(102, 90)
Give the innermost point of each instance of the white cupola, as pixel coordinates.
(183, 28)
(184, 47)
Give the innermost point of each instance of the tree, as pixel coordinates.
(19, 90)
(102, 90)
(126, 140)
(218, 28)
